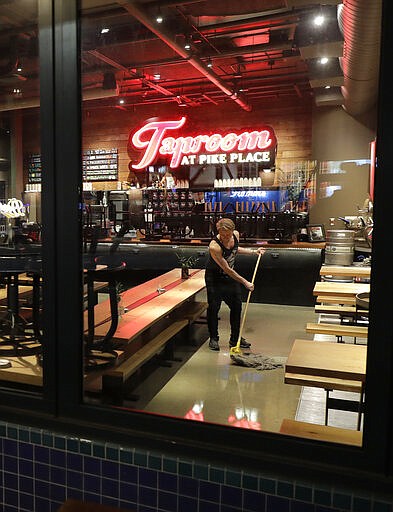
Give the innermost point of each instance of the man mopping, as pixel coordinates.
(223, 283)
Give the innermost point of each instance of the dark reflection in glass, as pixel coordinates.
(20, 197)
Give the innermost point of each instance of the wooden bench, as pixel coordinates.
(315, 381)
(160, 309)
(343, 311)
(338, 330)
(97, 288)
(321, 432)
(355, 271)
(23, 370)
(25, 293)
(113, 379)
(340, 289)
(157, 311)
(330, 384)
(336, 299)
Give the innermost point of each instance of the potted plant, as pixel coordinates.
(186, 262)
(119, 289)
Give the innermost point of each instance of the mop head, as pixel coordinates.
(258, 361)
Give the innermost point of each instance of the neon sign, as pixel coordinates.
(202, 149)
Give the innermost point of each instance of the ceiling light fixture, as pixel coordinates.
(159, 18)
(209, 63)
(319, 20)
(180, 101)
(187, 44)
(104, 30)
(324, 60)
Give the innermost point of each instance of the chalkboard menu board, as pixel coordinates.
(34, 168)
(97, 165)
(100, 165)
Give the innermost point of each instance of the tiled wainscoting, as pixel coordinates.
(40, 470)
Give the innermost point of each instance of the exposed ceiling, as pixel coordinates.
(245, 52)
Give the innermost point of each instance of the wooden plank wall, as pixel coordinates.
(108, 128)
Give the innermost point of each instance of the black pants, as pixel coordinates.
(229, 291)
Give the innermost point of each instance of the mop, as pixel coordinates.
(257, 361)
(236, 348)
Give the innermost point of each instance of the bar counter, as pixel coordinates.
(205, 241)
(286, 274)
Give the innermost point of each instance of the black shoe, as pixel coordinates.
(243, 343)
(213, 344)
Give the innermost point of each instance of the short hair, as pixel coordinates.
(226, 224)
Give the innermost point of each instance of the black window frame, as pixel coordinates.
(62, 408)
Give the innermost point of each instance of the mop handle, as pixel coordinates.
(256, 268)
(248, 299)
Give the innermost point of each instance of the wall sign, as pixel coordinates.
(34, 168)
(100, 165)
(157, 138)
(97, 165)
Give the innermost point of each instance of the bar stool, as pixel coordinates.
(100, 352)
(20, 336)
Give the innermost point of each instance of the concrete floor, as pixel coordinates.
(204, 385)
(209, 387)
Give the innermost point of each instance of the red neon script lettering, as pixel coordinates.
(159, 128)
(181, 146)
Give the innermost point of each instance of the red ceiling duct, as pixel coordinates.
(360, 24)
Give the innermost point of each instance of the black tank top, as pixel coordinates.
(214, 270)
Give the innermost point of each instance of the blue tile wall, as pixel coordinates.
(39, 470)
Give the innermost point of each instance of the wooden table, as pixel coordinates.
(349, 290)
(345, 271)
(330, 366)
(153, 304)
(156, 311)
(325, 359)
(149, 302)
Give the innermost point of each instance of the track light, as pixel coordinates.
(180, 101)
(159, 18)
(187, 44)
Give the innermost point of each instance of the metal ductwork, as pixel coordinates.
(193, 60)
(360, 24)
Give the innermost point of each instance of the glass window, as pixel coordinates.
(185, 121)
(21, 172)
